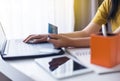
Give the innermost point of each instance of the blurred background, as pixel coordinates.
(21, 18)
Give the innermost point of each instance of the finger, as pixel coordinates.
(28, 38)
(31, 38)
(39, 40)
(54, 42)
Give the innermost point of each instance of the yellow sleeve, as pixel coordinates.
(102, 13)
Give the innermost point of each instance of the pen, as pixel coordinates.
(104, 32)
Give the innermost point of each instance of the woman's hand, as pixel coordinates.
(60, 40)
(36, 38)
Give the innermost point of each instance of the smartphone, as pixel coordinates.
(52, 29)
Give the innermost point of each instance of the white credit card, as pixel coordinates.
(52, 29)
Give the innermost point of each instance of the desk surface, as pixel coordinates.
(9, 73)
(31, 69)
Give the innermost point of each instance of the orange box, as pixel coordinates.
(118, 55)
(104, 50)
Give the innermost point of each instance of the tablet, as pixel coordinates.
(61, 67)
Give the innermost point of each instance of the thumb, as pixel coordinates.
(52, 40)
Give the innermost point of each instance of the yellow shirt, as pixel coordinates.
(102, 14)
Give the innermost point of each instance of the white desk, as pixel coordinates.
(31, 69)
(7, 71)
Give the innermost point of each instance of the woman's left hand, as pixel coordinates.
(60, 40)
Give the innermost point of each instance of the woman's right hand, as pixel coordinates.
(36, 38)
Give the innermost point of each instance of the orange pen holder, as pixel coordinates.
(105, 50)
(118, 55)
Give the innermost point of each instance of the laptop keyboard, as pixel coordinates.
(19, 47)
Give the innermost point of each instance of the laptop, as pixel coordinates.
(16, 48)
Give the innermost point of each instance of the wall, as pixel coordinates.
(84, 11)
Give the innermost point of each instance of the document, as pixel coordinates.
(83, 55)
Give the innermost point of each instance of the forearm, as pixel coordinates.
(80, 42)
(117, 31)
(86, 32)
(76, 34)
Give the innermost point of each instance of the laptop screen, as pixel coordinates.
(2, 38)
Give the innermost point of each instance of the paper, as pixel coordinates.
(83, 55)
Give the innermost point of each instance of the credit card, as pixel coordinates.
(52, 29)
